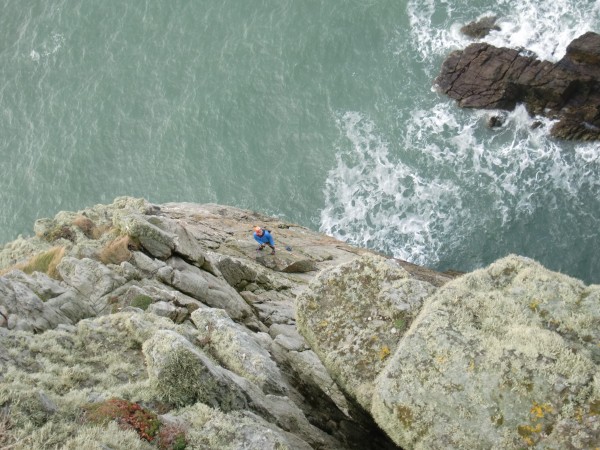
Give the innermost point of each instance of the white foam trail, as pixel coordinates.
(453, 178)
(379, 203)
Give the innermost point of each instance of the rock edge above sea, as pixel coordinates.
(324, 346)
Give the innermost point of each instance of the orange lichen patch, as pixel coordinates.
(384, 352)
(540, 410)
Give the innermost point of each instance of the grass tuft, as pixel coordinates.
(118, 251)
(45, 262)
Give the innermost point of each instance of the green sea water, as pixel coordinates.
(320, 112)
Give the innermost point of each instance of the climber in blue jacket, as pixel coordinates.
(263, 237)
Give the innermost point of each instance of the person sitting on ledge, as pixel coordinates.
(263, 237)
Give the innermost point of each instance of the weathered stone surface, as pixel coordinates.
(22, 308)
(480, 28)
(182, 374)
(157, 242)
(285, 262)
(192, 258)
(91, 278)
(237, 350)
(166, 309)
(354, 315)
(505, 357)
(483, 76)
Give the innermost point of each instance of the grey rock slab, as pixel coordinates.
(238, 350)
(503, 357)
(354, 315)
(90, 278)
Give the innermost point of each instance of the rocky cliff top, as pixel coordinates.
(161, 326)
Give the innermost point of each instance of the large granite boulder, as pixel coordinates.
(488, 77)
(505, 357)
(354, 315)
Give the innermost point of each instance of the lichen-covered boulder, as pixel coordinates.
(354, 315)
(182, 374)
(237, 350)
(22, 308)
(157, 242)
(210, 428)
(505, 357)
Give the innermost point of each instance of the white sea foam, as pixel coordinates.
(374, 201)
(450, 178)
(544, 28)
(49, 47)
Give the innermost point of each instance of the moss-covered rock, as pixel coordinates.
(182, 374)
(505, 357)
(354, 315)
(237, 349)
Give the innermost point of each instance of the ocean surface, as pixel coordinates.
(321, 112)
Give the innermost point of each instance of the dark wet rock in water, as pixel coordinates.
(488, 77)
(495, 120)
(480, 28)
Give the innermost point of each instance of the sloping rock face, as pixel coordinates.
(170, 307)
(484, 76)
(325, 346)
(354, 315)
(506, 357)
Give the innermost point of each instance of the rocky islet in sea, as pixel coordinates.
(487, 77)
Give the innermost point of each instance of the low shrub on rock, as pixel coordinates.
(127, 414)
(132, 416)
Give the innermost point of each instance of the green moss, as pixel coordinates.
(142, 301)
(400, 324)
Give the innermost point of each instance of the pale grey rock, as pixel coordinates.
(208, 288)
(145, 264)
(90, 278)
(186, 244)
(73, 305)
(286, 262)
(236, 272)
(157, 242)
(278, 312)
(40, 283)
(190, 283)
(22, 309)
(354, 315)
(165, 309)
(504, 357)
(287, 337)
(238, 350)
